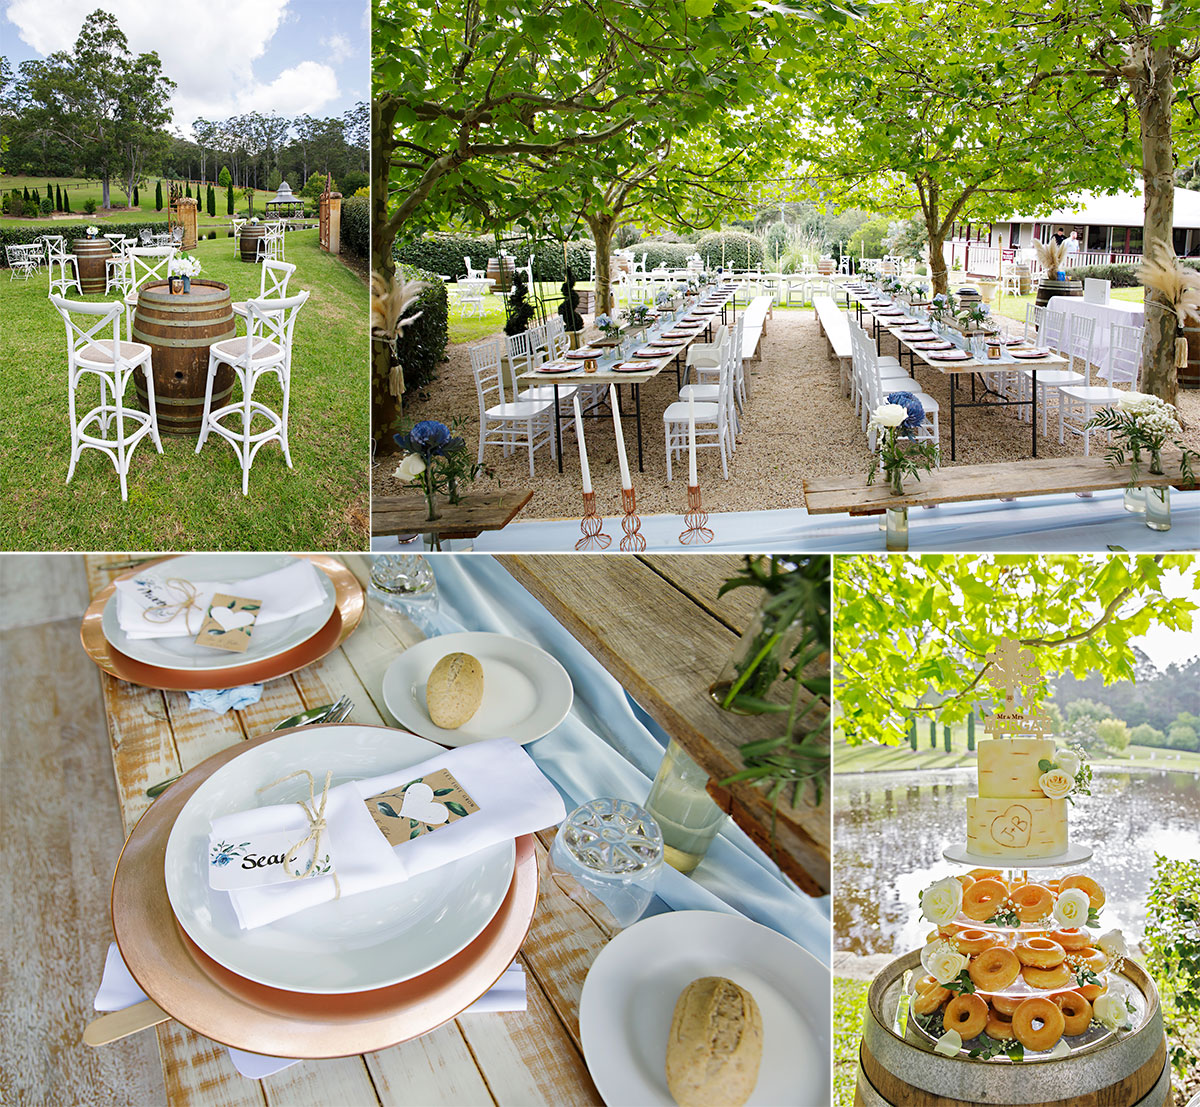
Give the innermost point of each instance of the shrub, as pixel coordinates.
(356, 226)
(520, 310)
(47, 206)
(422, 346)
(569, 308)
(17, 205)
(25, 194)
(1121, 276)
(89, 206)
(668, 255)
(66, 202)
(35, 199)
(742, 251)
(444, 254)
(352, 182)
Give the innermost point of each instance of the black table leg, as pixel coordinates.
(637, 403)
(953, 392)
(1033, 416)
(558, 429)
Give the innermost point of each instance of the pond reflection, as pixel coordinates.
(890, 830)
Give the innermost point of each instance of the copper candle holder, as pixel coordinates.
(592, 526)
(695, 518)
(631, 524)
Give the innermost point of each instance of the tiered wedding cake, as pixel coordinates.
(1017, 963)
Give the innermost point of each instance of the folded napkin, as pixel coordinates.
(220, 700)
(513, 797)
(284, 592)
(119, 990)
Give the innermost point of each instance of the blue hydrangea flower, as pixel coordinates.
(427, 438)
(916, 412)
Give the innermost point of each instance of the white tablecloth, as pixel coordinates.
(1115, 311)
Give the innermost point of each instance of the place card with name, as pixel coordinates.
(260, 860)
(228, 623)
(420, 807)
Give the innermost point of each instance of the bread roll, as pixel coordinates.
(454, 690)
(715, 1045)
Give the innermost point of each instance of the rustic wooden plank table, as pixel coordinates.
(603, 601)
(514, 1058)
(470, 517)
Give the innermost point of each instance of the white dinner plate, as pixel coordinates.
(526, 692)
(365, 941)
(630, 992)
(269, 640)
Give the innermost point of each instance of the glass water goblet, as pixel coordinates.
(403, 582)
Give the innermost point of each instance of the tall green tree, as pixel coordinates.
(225, 180)
(158, 199)
(212, 201)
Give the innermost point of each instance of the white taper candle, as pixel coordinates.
(692, 440)
(616, 410)
(583, 460)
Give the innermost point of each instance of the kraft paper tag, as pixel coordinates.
(420, 807)
(259, 860)
(228, 623)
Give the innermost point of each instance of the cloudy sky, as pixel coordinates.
(287, 56)
(1166, 647)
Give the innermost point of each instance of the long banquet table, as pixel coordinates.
(1125, 312)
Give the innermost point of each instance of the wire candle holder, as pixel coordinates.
(696, 532)
(631, 524)
(592, 526)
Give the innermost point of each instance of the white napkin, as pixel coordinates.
(284, 592)
(513, 796)
(119, 990)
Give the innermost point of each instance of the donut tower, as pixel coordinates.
(1016, 964)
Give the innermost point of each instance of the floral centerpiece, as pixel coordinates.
(892, 285)
(867, 270)
(438, 458)
(916, 291)
(609, 326)
(975, 316)
(943, 306)
(663, 299)
(1140, 422)
(897, 423)
(638, 315)
(184, 267)
(92, 231)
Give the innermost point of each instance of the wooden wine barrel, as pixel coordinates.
(90, 255)
(179, 330)
(1024, 276)
(501, 271)
(248, 240)
(1130, 1070)
(826, 266)
(1189, 374)
(1048, 288)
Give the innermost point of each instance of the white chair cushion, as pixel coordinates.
(235, 348)
(678, 413)
(703, 392)
(520, 410)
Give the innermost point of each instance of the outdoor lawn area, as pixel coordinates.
(181, 500)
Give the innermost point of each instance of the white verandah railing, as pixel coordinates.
(986, 261)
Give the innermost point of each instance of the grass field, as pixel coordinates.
(82, 189)
(180, 500)
(849, 1007)
(1013, 307)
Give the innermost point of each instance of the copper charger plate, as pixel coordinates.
(229, 1009)
(347, 612)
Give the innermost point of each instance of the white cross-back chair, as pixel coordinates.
(265, 348)
(270, 246)
(113, 363)
(272, 285)
(147, 263)
(61, 267)
(504, 423)
(237, 225)
(713, 428)
(118, 269)
(1077, 403)
(1072, 337)
(21, 263)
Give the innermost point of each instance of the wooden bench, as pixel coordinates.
(470, 517)
(836, 329)
(754, 324)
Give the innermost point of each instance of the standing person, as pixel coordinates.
(1073, 243)
(1058, 236)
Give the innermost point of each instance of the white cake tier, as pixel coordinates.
(1008, 767)
(1009, 829)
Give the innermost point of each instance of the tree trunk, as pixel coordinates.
(387, 409)
(938, 276)
(602, 227)
(1154, 92)
(104, 190)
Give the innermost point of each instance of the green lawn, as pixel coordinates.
(1013, 307)
(180, 500)
(849, 1008)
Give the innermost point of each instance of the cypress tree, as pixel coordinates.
(188, 192)
(212, 202)
(58, 198)
(66, 201)
(50, 191)
(136, 198)
(229, 198)
(158, 196)
(37, 200)
(25, 193)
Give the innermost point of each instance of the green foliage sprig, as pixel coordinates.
(1172, 946)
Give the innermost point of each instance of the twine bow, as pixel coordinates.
(315, 813)
(187, 605)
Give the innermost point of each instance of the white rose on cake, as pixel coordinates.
(1068, 762)
(1056, 784)
(949, 1043)
(1109, 1010)
(1072, 908)
(941, 902)
(1112, 945)
(942, 962)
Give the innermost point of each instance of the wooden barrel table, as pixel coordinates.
(90, 256)
(1047, 289)
(894, 1071)
(501, 271)
(249, 238)
(179, 330)
(1024, 277)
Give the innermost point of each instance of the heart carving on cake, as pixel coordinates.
(1012, 828)
(419, 804)
(232, 620)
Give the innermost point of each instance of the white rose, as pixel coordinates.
(1112, 945)
(949, 1043)
(889, 415)
(410, 468)
(1067, 761)
(1056, 784)
(1072, 908)
(1127, 400)
(940, 902)
(942, 962)
(1109, 1011)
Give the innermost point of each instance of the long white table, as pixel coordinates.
(1115, 311)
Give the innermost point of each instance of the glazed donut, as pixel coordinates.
(949, 930)
(1077, 1012)
(1006, 1005)
(966, 1013)
(1092, 992)
(983, 897)
(1053, 885)
(999, 1028)
(928, 1002)
(994, 969)
(1056, 977)
(971, 942)
(1037, 1009)
(933, 936)
(1074, 938)
(1040, 953)
(966, 880)
(924, 984)
(1033, 902)
(984, 874)
(1095, 893)
(1092, 958)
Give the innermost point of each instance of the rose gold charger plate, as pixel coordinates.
(347, 613)
(234, 1011)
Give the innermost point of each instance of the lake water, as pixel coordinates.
(890, 829)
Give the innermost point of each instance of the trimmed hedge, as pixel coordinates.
(356, 226)
(423, 345)
(669, 255)
(1121, 276)
(12, 236)
(443, 254)
(742, 251)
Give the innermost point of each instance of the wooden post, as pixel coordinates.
(335, 222)
(971, 731)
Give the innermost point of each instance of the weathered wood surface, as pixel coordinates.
(475, 513)
(533, 1057)
(962, 483)
(668, 663)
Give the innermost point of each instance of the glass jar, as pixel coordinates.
(1158, 508)
(683, 809)
(403, 582)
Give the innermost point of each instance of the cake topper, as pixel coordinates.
(1014, 668)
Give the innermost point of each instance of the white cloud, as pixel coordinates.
(339, 46)
(306, 87)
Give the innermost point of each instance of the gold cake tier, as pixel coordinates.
(1008, 767)
(1016, 828)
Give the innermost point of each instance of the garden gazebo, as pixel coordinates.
(285, 204)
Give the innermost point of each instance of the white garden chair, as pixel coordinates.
(265, 348)
(148, 263)
(272, 285)
(1073, 338)
(1077, 403)
(503, 423)
(237, 225)
(114, 363)
(713, 429)
(474, 274)
(118, 269)
(470, 295)
(61, 267)
(21, 264)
